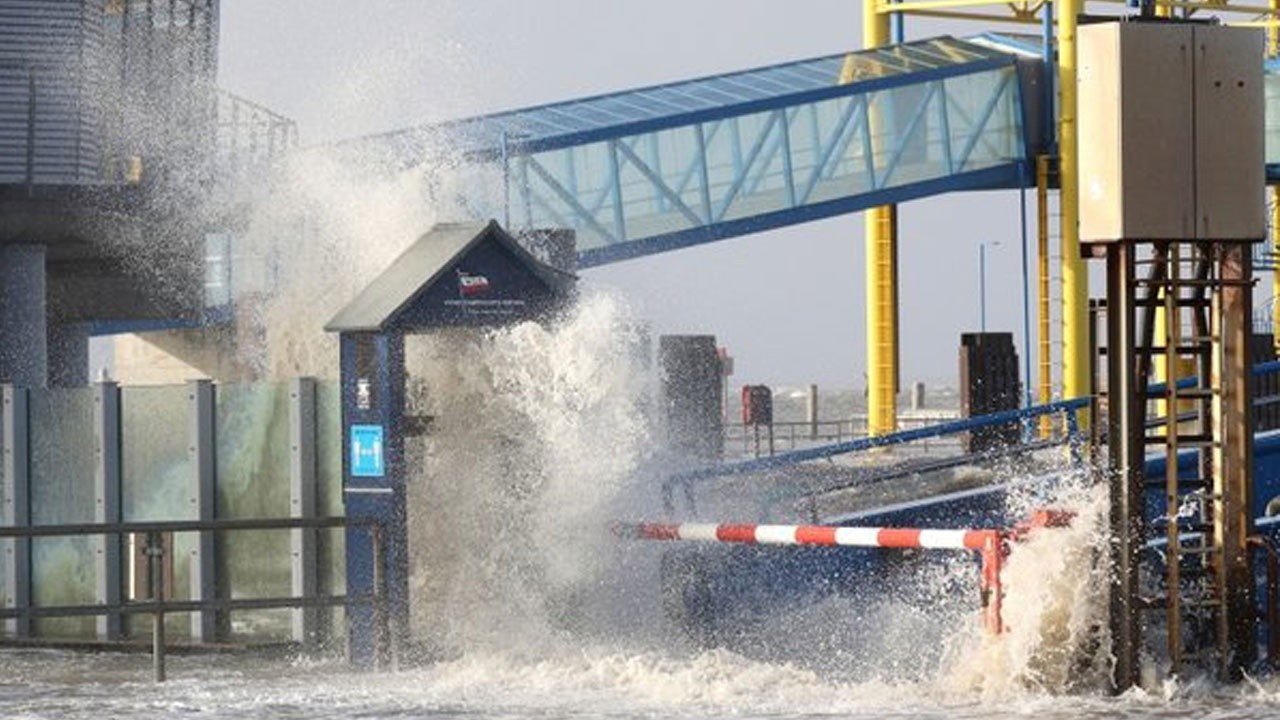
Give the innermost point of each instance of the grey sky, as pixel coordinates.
(789, 303)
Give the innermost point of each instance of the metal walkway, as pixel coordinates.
(650, 170)
(654, 169)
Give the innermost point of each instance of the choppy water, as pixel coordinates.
(55, 684)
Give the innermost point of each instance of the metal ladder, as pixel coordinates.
(1177, 285)
(1049, 285)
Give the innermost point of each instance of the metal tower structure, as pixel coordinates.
(1175, 113)
(1205, 590)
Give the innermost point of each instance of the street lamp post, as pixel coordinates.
(982, 283)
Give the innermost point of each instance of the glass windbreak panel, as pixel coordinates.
(62, 481)
(330, 544)
(253, 450)
(1271, 85)
(157, 480)
(154, 458)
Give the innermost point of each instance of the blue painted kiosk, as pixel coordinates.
(456, 275)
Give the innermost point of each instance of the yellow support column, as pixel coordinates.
(1075, 281)
(1273, 193)
(881, 278)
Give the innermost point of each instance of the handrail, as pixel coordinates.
(906, 436)
(163, 526)
(688, 478)
(385, 640)
(898, 438)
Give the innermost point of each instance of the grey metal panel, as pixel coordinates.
(1099, 132)
(15, 511)
(53, 44)
(107, 506)
(1157, 130)
(204, 582)
(1135, 121)
(1230, 163)
(302, 504)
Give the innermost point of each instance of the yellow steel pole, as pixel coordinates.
(881, 278)
(1075, 281)
(1042, 276)
(1273, 193)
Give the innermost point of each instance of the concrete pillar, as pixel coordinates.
(24, 352)
(68, 355)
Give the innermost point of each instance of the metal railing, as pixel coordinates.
(385, 640)
(1068, 409)
(761, 440)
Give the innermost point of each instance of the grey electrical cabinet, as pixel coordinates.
(1170, 132)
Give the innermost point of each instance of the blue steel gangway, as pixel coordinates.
(658, 168)
(654, 169)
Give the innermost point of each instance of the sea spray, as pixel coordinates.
(540, 435)
(538, 431)
(321, 229)
(1054, 606)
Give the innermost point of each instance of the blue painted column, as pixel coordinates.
(24, 354)
(373, 476)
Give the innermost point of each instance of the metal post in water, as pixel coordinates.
(811, 412)
(155, 568)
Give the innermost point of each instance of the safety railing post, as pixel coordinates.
(205, 624)
(16, 509)
(155, 575)
(302, 504)
(108, 563)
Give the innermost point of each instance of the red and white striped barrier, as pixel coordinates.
(992, 545)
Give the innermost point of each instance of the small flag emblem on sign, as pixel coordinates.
(472, 284)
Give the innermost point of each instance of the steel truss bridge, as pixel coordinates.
(655, 169)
